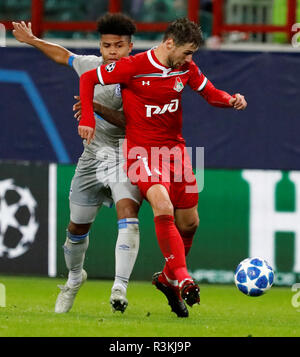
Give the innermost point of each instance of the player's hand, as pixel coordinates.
(23, 32)
(87, 133)
(77, 108)
(238, 102)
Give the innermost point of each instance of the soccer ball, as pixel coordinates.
(254, 276)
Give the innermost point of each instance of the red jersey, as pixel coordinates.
(151, 95)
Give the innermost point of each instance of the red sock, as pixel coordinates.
(168, 273)
(171, 246)
(187, 239)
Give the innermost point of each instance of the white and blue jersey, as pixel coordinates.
(107, 135)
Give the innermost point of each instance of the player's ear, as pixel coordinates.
(130, 47)
(169, 43)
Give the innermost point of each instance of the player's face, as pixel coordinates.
(114, 47)
(179, 55)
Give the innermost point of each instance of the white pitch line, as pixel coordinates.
(52, 208)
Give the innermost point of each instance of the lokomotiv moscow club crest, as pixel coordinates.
(178, 86)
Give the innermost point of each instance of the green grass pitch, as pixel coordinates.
(223, 312)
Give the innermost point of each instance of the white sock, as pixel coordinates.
(74, 252)
(126, 251)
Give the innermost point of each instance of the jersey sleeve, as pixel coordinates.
(82, 63)
(197, 80)
(115, 72)
(202, 85)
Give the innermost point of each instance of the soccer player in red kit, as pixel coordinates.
(152, 84)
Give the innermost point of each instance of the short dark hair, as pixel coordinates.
(184, 31)
(116, 24)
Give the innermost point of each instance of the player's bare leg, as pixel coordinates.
(126, 251)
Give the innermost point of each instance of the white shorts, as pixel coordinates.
(98, 183)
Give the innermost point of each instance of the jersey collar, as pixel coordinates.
(154, 61)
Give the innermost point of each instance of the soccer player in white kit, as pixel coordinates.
(99, 177)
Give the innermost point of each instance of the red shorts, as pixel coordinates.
(171, 168)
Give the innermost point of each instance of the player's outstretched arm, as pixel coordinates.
(219, 98)
(115, 117)
(23, 33)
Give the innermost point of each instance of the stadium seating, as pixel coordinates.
(236, 12)
(12, 9)
(250, 12)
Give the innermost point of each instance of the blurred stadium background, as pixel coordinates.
(250, 204)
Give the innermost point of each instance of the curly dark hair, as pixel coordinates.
(184, 31)
(116, 24)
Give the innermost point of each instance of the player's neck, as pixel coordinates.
(161, 55)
